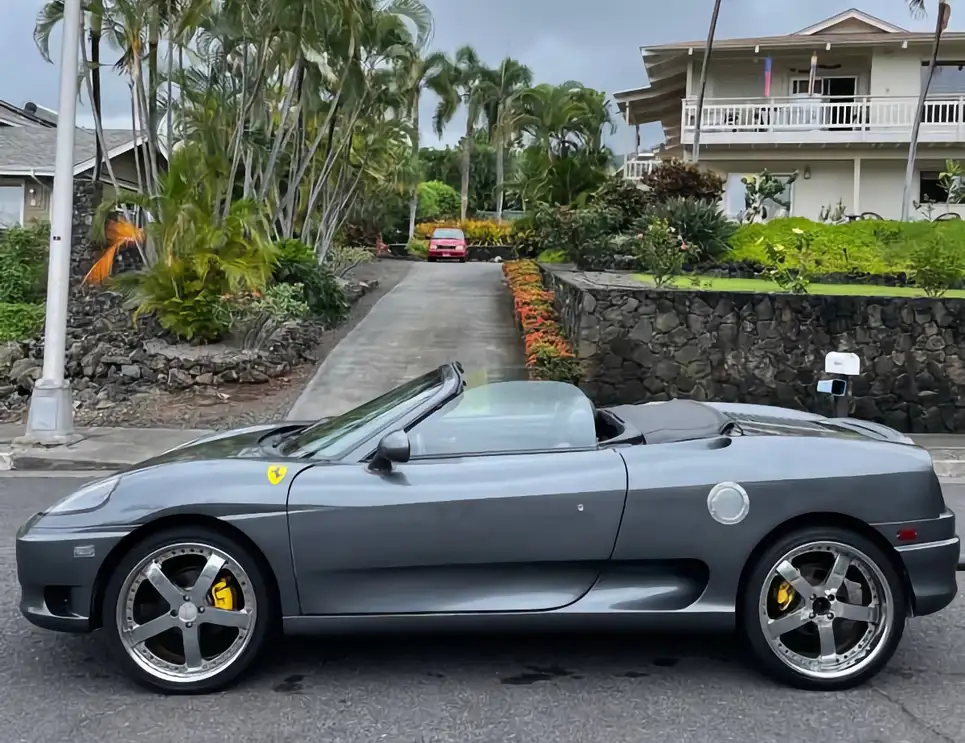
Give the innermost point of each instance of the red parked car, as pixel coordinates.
(447, 242)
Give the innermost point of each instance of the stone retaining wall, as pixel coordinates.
(639, 343)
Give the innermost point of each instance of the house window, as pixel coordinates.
(931, 191)
(11, 206)
(947, 86)
(735, 193)
(799, 86)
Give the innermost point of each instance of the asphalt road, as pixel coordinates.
(469, 690)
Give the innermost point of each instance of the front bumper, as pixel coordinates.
(447, 253)
(57, 570)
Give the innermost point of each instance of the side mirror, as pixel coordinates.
(835, 387)
(394, 447)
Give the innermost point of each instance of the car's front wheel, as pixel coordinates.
(187, 610)
(823, 609)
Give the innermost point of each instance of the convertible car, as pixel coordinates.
(453, 504)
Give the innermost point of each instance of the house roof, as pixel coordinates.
(12, 115)
(853, 14)
(26, 149)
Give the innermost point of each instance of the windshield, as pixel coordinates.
(448, 234)
(328, 437)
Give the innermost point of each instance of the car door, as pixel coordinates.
(482, 533)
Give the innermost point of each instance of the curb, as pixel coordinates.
(954, 468)
(14, 461)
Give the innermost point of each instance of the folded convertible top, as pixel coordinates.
(675, 420)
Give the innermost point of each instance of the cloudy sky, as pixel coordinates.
(597, 43)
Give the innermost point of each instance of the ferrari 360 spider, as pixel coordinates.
(446, 504)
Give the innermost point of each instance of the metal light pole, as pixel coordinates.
(50, 420)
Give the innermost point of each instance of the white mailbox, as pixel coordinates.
(838, 362)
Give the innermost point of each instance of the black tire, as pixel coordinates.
(750, 601)
(430, 259)
(265, 619)
(462, 260)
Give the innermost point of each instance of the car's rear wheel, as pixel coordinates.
(823, 609)
(187, 611)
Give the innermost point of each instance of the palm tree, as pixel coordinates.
(941, 22)
(705, 65)
(467, 79)
(421, 72)
(502, 90)
(565, 128)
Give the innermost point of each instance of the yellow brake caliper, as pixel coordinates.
(784, 595)
(222, 597)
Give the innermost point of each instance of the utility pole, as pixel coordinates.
(50, 420)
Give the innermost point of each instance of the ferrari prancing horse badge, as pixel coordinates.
(276, 473)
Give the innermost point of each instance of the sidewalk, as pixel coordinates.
(101, 449)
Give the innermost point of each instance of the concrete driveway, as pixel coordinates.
(439, 312)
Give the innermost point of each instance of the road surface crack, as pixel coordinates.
(918, 721)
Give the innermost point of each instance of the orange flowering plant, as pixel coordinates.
(548, 354)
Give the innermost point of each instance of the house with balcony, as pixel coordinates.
(834, 102)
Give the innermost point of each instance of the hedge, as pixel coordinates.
(20, 321)
(868, 246)
(548, 354)
(477, 231)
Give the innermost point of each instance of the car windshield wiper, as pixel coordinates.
(274, 442)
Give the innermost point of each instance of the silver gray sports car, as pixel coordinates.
(452, 504)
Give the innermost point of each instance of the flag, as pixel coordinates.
(814, 72)
(767, 77)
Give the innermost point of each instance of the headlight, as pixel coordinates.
(87, 498)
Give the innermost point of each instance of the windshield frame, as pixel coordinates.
(450, 384)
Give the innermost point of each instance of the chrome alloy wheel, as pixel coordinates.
(171, 617)
(826, 610)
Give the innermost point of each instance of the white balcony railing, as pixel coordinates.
(872, 119)
(636, 170)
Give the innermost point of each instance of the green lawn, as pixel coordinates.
(763, 286)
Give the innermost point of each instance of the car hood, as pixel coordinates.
(236, 443)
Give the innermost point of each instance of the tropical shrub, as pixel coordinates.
(437, 200)
(874, 247)
(552, 256)
(342, 260)
(297, 264)
(524, 237)
(584, 235)
(23, 263)
(792, 266)
(763, 188)
(196, 250)
(20, 321)
(283, 302)
(477, 231)
(937, 265)
(659, 250)
(687, 180)
(418, 248)
(626, 198)
(548, 354)
(255, 317)
(701, 224)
